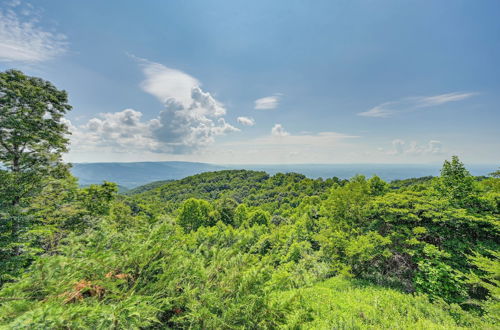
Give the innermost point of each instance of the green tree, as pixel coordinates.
(496, 174)
(345, 204)
(240, 215)
(33, 135)
(97, 198)
(456, 183)
(194, 213)
(32, 140)
(259, 217)
(226, 208)
(32, 130)
(377, 186)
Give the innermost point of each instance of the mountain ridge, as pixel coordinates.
(134, 174)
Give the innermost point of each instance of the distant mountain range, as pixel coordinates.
(130, 175)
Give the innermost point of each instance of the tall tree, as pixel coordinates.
(456, 183)
(32, 140)
(32, 132)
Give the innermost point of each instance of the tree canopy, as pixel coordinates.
(32, 131)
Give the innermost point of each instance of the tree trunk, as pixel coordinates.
(16, 199)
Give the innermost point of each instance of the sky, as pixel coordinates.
(267, 82)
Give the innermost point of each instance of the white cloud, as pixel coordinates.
(165, 83)
(190, 120)
(381, 110)
(23, 40)
(391, 108)
(279, 130)
(184, 129)
(435, 147)
(117, 132)
(442, 99)
(280, 137)
(246, 121)
(268, 102)
(400, 147)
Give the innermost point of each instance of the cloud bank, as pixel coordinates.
(400, 147)
(118, 132)
(283, 147)
(190, 120)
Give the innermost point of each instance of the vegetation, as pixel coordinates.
(239, 249)
(143, 188)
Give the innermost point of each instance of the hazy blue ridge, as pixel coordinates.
(135, 174)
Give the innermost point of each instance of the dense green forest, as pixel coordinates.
(236, 248)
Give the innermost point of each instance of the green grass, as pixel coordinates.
(340, 303)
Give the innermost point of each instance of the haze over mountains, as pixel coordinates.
(137, 173)
(133, 174)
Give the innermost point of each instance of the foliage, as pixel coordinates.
(195, 213)
(32, 133)
(235, 249)
(32, 140)
(339, 303)
(487, 279)
(144, 188)
(456, 183)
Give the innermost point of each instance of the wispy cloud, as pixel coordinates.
(431, 101)
(268, 102)
(22, 39)
(388, 109)
(246, 121)
(166, 83)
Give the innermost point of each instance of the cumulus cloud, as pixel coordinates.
(400, 147)
(190, 120)
(246, 121)
(184, 129)
(118, 132)
(279, 130)
(388, 109)
(22, 39)
(268, 102)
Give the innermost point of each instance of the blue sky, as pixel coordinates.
(267, 81)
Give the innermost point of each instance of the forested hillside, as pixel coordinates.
(244, 249)
(235, 248)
